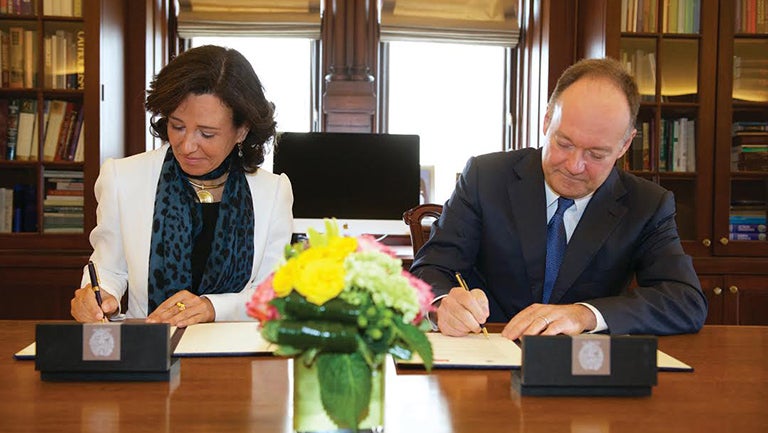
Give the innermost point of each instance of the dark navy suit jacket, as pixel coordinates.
(493, 230)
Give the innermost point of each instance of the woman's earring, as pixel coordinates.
(240, 149)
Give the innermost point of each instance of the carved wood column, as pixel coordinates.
(350, 43)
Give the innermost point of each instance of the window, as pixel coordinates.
(452, 96)
(284, 68)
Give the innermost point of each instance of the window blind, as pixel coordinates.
(491, 22)
(283, 18)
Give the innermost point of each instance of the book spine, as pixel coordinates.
(747, 228)
(80, 61)
(3, 127)
(13, 128)
(25, 138)
(748, 236)
(55, 117)
(74, 139)
(64, 130)
(5, 58)
(30, 59)
(16, 58)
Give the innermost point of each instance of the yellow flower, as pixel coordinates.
(317, 273)
(285, 277)
(341, 247)
(320, 280)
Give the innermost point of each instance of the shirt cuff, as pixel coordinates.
(432, 316)
(601, 325)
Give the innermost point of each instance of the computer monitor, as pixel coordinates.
(365, 181)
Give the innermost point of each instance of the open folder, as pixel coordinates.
(206, 339)
(497, 352)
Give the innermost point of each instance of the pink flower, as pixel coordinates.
(369, 243)
(423, 292)
(259, 306)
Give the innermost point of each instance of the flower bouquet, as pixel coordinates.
(339, 305)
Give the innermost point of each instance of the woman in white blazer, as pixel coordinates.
(189, 229)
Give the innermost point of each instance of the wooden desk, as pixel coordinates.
(728, 392)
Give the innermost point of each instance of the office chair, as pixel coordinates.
(420, 230)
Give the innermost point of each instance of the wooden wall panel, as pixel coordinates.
(39, 286)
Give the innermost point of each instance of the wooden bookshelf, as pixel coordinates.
(685, 69)
(93, 84)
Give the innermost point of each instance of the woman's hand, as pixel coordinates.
(182, 309)
(84, 307)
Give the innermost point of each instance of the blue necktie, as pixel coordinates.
(556, 243)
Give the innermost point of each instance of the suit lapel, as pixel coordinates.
(528, 204)
(603, 214)
(139, 204)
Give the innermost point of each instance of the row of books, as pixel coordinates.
(63, 203)
(749, 152)
(638, 157)
(63, 131)
(18, 209)
(677, 150)
(750, 78)
(18, 58)
(642, 66)
(64, 8)
(639, 15)
(678, 16)
(747, 222)
(681, 16)
(64, 59)
(678, 145)
(744, 127)
(17, 7)
(751, 16)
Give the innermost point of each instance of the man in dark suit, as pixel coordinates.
(623, 269)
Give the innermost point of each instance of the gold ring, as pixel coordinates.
(546, 321)
(181, 306)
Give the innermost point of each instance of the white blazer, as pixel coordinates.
(125, 191)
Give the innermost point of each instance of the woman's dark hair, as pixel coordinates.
(222, 72)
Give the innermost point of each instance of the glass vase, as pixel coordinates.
(309, 416)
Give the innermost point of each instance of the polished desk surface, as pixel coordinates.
(727, 392)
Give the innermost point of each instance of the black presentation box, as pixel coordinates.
(104, 352)
(587, 364)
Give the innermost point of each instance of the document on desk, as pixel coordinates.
(666, 362)
(222, 339)
(206, 339)
(474, 351)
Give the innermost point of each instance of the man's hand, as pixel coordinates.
(550, 319)
(462, 312)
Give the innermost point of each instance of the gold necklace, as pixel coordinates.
(203, 196)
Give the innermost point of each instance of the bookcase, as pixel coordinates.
(702, 70)
(61, 114)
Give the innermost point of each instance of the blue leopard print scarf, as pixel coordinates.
(177, 223)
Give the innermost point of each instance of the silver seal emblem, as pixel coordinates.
(102, 343)
(591, 356)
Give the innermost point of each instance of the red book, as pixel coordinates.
(65, 130)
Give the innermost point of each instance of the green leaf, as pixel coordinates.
(279, 304)
(345, 387)
(417, 341)
(364, 351)
(284, 350)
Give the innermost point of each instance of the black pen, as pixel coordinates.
(463, 284)
(95, 285)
